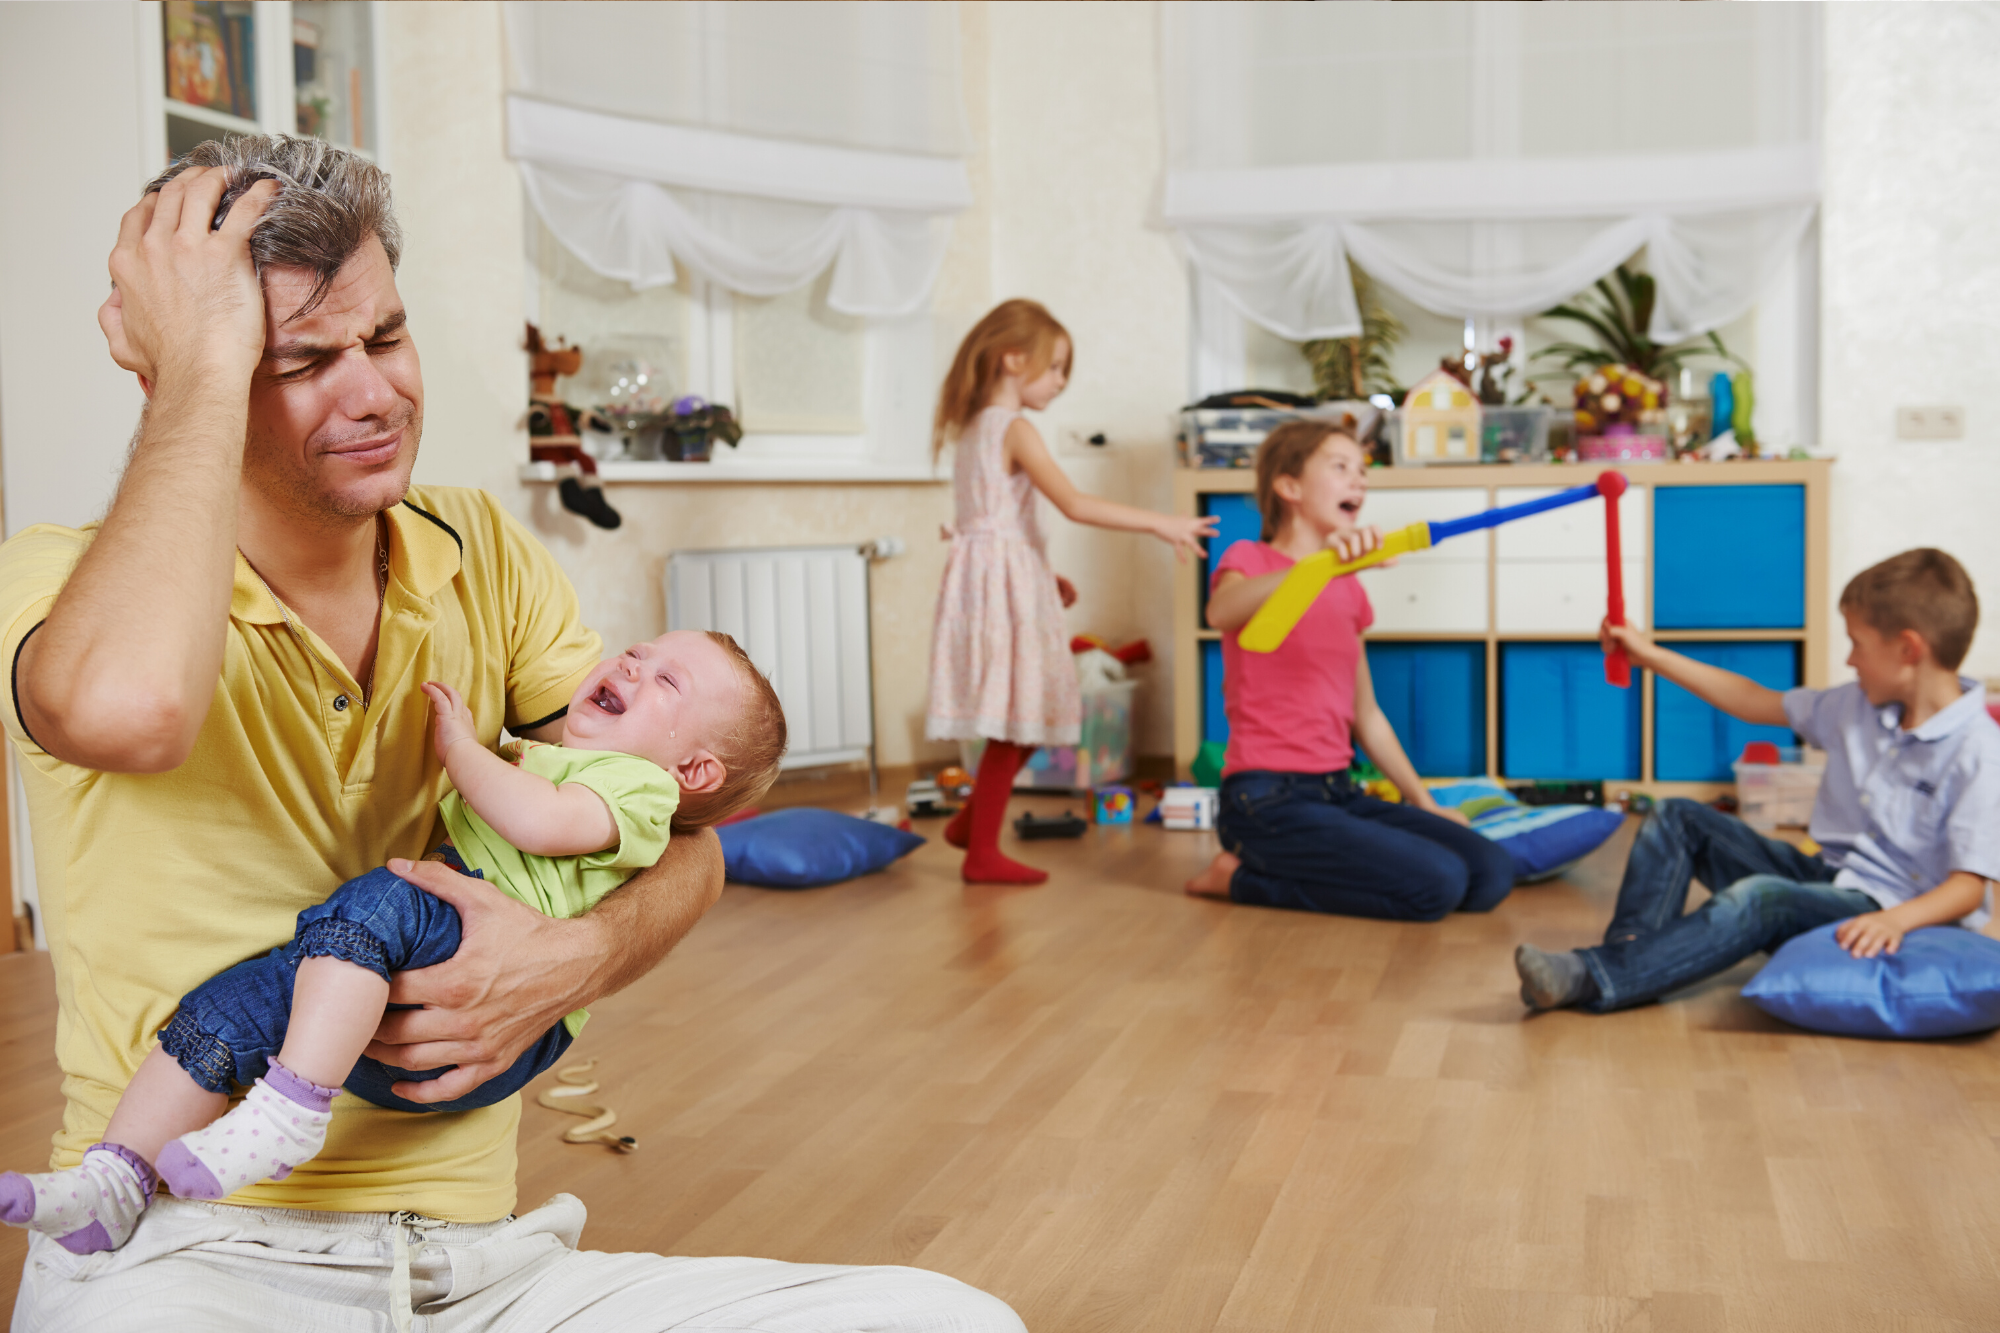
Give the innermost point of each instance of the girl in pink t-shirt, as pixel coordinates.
(1295, 829)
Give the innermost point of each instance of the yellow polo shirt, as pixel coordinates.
(152, 883)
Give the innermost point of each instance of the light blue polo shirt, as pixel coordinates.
(1899, 810)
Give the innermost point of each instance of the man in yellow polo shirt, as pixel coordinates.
(214, 694)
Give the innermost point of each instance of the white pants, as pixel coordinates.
(202, 1265)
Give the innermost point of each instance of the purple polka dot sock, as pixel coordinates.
(90, 1207)
(281, 1123)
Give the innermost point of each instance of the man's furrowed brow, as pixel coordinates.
(298, 349)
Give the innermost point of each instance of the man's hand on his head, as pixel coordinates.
(515, 975)
(185, 297)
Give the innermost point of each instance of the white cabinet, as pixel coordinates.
(1549, 572)
(1574, 532)
(1389, 510)
(1561, 596)
(1439, 597)
(1439, 591)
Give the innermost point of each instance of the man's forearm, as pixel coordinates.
(640, 922)
(160, 573)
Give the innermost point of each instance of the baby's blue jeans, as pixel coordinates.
(229, 1027)
(1764, 892)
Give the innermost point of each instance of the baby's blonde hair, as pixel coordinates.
(749, 752)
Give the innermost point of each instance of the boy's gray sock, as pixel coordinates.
(1552, 980)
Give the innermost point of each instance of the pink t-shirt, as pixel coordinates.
(1292, 711)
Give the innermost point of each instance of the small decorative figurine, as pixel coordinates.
(555, 431)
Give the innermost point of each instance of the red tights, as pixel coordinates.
(976, 828)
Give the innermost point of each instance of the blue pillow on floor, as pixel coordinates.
(1544, 840)
(1944, 981)
(804, 848)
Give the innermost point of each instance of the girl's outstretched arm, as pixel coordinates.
(1378, 738)
(1027, 453)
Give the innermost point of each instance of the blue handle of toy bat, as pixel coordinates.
(1489, 518)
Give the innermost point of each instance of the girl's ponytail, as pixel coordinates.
(1012, 326)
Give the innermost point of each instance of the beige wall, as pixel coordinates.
(66, 411)
(1910, 287)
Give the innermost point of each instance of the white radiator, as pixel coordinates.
(801, 612)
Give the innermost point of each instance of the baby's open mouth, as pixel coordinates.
(607, 699)
(1350, 507)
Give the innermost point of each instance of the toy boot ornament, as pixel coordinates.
(555, 431)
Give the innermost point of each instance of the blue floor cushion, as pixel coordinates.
(1944, 981)
(1544, 840)
(803, 848)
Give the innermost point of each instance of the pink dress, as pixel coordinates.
(1000, 664)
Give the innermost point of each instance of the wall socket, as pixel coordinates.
(1930, 423)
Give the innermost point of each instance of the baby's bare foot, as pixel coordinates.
(1214, 881)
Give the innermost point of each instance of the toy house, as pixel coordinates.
(1440, 422)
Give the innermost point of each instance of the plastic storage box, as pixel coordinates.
(1229, 436)
(1515, 434)
(1506, 434)
(1102, 755)
(1771, 795)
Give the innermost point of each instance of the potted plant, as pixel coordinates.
(694, 425)
(1621, 383)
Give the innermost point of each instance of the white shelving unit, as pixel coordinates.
(347, 62)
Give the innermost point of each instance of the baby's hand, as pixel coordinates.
(1354, 544)
(454, 719)
(1185, 535)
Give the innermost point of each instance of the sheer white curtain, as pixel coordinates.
(1488, 159)
(753, 144)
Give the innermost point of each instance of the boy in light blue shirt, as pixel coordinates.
(1905, 817)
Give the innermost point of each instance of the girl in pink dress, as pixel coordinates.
(1000, 660)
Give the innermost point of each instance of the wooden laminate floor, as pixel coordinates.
(1122, 1109)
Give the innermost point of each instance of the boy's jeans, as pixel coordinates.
(229, 1027)
(1765, 891)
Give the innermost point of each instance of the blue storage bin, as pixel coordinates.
(1214, 722)
(1434, 695)
(1560, 719)
(1239, 522)
(1729, 557)
(1693, 742)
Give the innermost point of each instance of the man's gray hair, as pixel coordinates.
(330, 201)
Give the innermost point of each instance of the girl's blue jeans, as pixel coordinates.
(1764, 892)
(229, 1027)
(1313, 842)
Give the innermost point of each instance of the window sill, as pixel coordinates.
(747, 470)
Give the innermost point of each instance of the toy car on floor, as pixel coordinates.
(1064, 825)
(924, 800)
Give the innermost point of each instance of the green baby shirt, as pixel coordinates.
(642, 798)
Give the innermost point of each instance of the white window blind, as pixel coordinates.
(1488, 159)
(756, 145)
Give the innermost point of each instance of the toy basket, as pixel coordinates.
(1104, 754)
(1769, 796)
